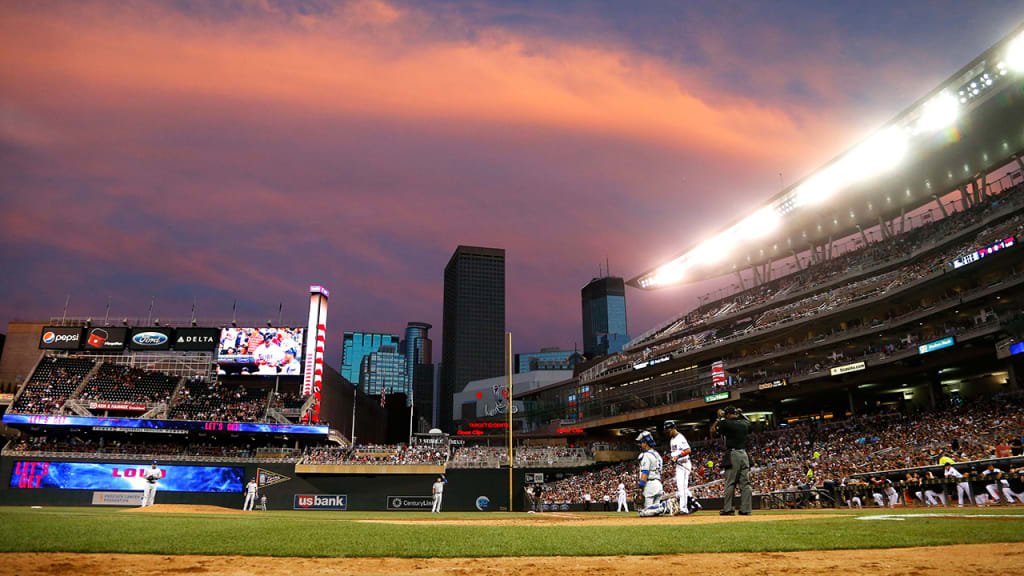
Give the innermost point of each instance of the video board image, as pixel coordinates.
(260, 351)
(108, 476)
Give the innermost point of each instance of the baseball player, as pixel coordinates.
(962, 488)
(931, 496)
(891, 493)
(623, 507)
(679, 452)
(250, 495)
(438, 491)
(149, 491)
(263, 502)
(876, 492)
(655, 503)
(993, 488)
(291, 365)
(268, 355)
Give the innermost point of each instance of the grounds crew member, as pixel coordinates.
(735, 427)
(149, 491)
(651, 492)
(438, 491)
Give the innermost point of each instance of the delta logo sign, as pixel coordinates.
(320, 502)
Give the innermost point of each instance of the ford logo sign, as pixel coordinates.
(149, 338)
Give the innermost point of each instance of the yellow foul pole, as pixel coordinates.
(508, 340)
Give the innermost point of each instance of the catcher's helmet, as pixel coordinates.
(645, 438)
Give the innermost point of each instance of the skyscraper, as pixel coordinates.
(356, 345)
(604, 316)
(474, 322)
(419, 368)
(383, 369)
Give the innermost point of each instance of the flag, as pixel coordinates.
(383, 399)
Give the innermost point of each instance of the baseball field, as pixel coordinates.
(167, 539)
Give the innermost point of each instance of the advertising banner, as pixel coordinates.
(60, 338)
(133, 424)
(117, 498)
(107, 476)
(716, 397)
(154, 338)
(946, 342)
(196, 339)
(772, 384)
(105, 338)
(320, 502)
(855, 367)
(410, 502)
(117, 406)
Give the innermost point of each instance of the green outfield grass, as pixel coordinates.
(288, 533)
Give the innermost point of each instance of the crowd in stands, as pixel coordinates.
(375, 454)
(145, 448)
(113, 383)
(551, 456)
(936, 262)
(288, 401)
(862, 258)
(218, 401)
(809, 455)
(479, 457)
(52, 382)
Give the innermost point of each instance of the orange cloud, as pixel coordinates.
(372, 60)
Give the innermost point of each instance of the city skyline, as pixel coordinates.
(357, 146)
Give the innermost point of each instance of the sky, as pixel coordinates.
(240, 150)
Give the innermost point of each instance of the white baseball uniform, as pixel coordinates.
(268, 357)
(679, 450)
(438, 493)
(962, 488)
(250, 495)
(993, 488)
(149, 491)
(654, 505)
(623, 507)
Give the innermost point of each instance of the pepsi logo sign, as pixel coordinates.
(49, 337)
(149, 338)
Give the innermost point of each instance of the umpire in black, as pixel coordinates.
(735, 427)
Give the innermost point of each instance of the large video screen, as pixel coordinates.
(260, 351)
(106, 476)
(171, 426)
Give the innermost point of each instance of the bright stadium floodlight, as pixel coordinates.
(711, 251)
(820, 186)
(1015, 54)
(878, 154)
(938, 113)
(669, 273)
(760, 224)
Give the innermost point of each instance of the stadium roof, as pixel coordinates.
(970, 124)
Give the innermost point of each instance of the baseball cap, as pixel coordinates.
(731, 409)
(670, 425)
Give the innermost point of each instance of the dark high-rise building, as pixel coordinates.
(419, 364)
(474, 322)
(604, 316)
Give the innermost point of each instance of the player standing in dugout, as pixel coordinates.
(735, 427)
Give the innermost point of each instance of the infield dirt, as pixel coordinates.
(964, 560)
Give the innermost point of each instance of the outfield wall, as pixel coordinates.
(467, 490)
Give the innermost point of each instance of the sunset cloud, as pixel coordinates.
(245, 149)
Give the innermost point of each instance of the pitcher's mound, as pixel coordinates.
(185, 509)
